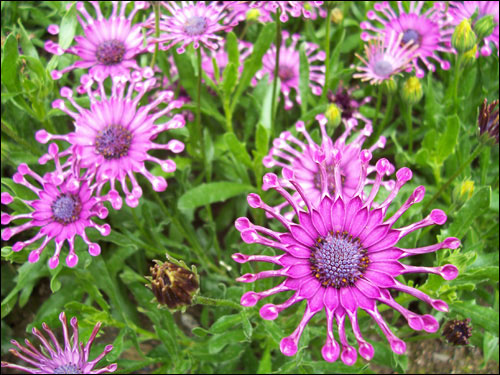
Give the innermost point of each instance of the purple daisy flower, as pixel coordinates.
(221, 56)
(53, 359)
(466, 9)
(341, 255)
(289, 67)
(385, 58)
(65, 207)
(110, 44)
(189, 23)
(292, 8)
(429, 31)
(113, 137)
(290, 152)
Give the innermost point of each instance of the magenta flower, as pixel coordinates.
(466, 9)
(221, 56)
(290, 152)
(341, 255)
(429, 31)
(110, 44)
(65, 207)
(53, 359)
(289, 67)
(189, 23)
(292, 8)
(113, 137)
(385, 58)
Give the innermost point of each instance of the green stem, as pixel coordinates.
(276, 70)
(327, 50)
(389, 111)
(455, 82)
(156, 8)
(229, 115)
(199, 133)
(476, 152)
(409, 126)
(427, 336)
(216, 302)
(377, 106)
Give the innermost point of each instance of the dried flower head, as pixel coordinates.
(458, 332)
(488, 121)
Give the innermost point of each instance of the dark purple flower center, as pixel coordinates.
(113, 142)
(411, 35)
(110, 52)
(286, 72)
(66, 208)
(344, 101)
(458, 332)
(196, 25)
(338, 260)
(330, 177)
(383, 68)
(68, 368)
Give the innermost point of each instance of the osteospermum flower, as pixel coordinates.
(190, 22)
(112, 138)
(428, 30)
(222, 58)
(466, 9)
(385, 58)
(53, 359)
(340, 256)
(290, 152)
(109, 45)
(292, 8)
(64, 209)
(289, 67)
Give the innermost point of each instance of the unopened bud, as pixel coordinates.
(337, 15)
(412, 91)
(333, 114)
(463, 38)
(469, 57)
(253, 14)
(389, 86)
(464, 191)
(484, 26)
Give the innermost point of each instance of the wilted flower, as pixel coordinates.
(488, 121)
(341, 255)
(189, 23)
(344, 99)
(113, 137)
(289, 67)
(290, 152)
(110, 44)
(52, 359)
(386, 58)
(466, 9)
(429, 30)
(458, 332)
(65, 208)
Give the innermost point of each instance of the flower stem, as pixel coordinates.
(389, 111)
(229, 115)
(327, 51)
(377, 106)
(201, 144)
(476, 152)
(156, 8)
(456, 79)
(276, 70)
(216, 302)
(409, 126)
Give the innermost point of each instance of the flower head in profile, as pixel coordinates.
(289, 67)
(290, 152)
(109, 45)
(460, 10)
(65, 207)
(112, 138)
(73, 358)
(341, 255)
(290, 8)
(385, 58)
(429, 30)
(190, 22)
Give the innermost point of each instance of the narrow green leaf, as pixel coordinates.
(229, 79)
(303, 78)
(238, 149)
(210, 193)
(26, 44)
(469, 211)
(483, 316)
(68, 27)
(9, 63)
(447, 142)
(232, 49)
(262, 140)
(225, 322)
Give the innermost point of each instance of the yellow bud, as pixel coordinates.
(470, 56)
(412, 91)
(337, 15)
(463, 38)
(463, 192)
(253, 14)
(333, 114)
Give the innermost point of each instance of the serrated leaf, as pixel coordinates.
(225, 322)
(210, 193)
(484, 316)
(218, 342)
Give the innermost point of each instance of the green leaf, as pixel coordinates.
(478, 275)
(303, 78)
(490, 345)
(210, 193)
(68, 27)
(218, 342)
(233, 52)
(446, 143)
(225, 322)
(238, 149)
(265, 364)
(469, 211)
(200, 332)
(229, 78)
(483, 316)
(262, 140)
(9, 63)
(26, 44)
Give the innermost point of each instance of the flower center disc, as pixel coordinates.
(338, 260)
(66, 209)
(113, 142)
(195, 26)
(383, 68)
(286, 73)
(68, 368)
(411, 35)
(110, 52)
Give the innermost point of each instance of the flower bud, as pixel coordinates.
(173, 284)
(412, 91)
(389, 86)
(253, 14)
(484, 26)
(469, 57)
(464, 191)
(333, 114)
(458, 332)
(337, 16)
(463, 38)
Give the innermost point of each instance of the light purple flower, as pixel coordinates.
(53, 359)
(341, 255)
(188, 23)
(428, 30)
(245, 49)
(289, 67)
(114, 136)
(64, 209)
(290, 152)
(110, 44)
(385, 58)
(292, 8)
(466, 9)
